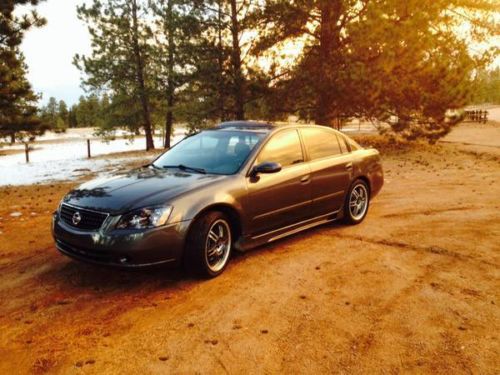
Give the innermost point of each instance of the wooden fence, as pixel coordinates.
(476, 115)
(27, 149)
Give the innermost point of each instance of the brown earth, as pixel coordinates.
(415, 288)
(477, 137)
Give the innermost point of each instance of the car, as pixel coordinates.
(237, 186)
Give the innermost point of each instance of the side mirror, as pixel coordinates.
(266, 168)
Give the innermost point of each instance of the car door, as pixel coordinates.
(331, 169)
(284, 198)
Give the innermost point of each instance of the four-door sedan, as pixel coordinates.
(237, 186)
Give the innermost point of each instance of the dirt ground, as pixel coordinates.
(482, 138)
(414, 289)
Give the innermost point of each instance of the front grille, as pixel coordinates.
(89, 220)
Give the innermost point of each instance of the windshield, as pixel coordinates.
(215, 152)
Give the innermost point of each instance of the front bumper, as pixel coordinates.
(124, 249)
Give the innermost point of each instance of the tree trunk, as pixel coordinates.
(143, 95)
(331, 11)
(221, 97)
(12, 138)
(169, 122)
(169, 119)
(239, 82)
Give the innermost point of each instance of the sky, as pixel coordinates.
(49, 51)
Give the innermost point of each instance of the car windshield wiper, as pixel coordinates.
(186, 168)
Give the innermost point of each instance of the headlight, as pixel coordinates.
(145, 218)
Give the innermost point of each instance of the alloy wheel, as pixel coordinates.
(218, 245)
(358, 201)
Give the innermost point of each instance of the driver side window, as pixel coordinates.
(284, 148)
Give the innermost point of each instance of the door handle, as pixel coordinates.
(348, 166)
(305, 179)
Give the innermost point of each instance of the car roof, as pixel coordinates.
(263, 126)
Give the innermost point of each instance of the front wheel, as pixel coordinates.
(209, 245)
(357, 202)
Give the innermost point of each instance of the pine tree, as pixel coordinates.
(72, 121)
(487, 87)
(63, 112)
(121, 56)
(177, 33)
(87, 111)
(227, 83)
(17, 100)
(50, 114)
(209, 94)
(374, 59)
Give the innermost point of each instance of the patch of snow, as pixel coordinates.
(72, 150)
(68, 160)
(16, 214)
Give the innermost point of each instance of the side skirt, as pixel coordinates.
(245, 244)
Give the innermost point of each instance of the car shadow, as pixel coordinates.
(72, 277)
(98, 296)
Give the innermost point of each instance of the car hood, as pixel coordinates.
(135, 189)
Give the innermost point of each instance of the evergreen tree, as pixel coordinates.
(17, 100)
(72, 121)
(178, 29)
(63, 112)
(487, 87)
(374, 59)
(122, 113)
(208, 92)
(49, 113)
(120, 59)
(87, 111)
(226, 82)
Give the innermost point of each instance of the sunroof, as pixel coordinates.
(245, 125)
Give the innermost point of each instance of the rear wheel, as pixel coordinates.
(357, 202)
(209, 245)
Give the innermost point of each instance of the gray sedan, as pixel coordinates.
(234, 187)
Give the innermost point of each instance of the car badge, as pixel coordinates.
(76, 218)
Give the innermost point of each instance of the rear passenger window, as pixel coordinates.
(320, 143)
(283, 148)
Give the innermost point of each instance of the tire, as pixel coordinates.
(356, 203)
(209, 245)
